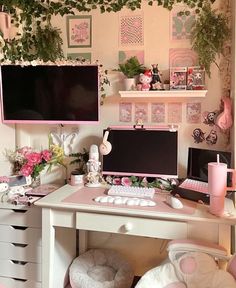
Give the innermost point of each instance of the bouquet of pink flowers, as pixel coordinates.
(27, 162)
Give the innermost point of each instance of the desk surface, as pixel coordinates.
(197, 212)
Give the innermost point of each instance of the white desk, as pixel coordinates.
(59, 242)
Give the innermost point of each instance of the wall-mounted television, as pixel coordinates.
(142, 152)
(67, 94)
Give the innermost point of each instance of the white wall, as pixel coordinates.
(105, 47)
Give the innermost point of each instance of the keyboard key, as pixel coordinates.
(131, 191)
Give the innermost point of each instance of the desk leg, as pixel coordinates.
(225, 237)
(83, 241)
(48, 244)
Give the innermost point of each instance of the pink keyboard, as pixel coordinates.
(194, 185)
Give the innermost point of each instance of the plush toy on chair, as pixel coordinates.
(100, 268)
(191, 264)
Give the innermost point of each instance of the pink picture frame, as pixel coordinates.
(79, 31)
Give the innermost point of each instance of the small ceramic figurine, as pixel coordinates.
(145, 79)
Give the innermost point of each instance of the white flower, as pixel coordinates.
(2, 43)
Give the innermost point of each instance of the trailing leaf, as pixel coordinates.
(208, 36)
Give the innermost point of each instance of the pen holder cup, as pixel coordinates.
(217, 186)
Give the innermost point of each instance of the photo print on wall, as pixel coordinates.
(131, 30)
(140, 112)
(158, 112)
(125, 112)
(182, 57)
(181, 24)
(79, 31)
(75, 56)
(174, 113)
(193, 113)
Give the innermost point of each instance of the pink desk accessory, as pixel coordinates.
(217, 185)
(85, 196)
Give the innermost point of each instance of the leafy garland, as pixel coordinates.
(34, 19)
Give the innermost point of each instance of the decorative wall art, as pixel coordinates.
(158, 112)
(182, 57)
(174, 112)
(193, 113)
(131, 30)
(141, 112)
(79, 31)
(198, 135)
(85, 56)
(124, 55)
(125, 113)
(181, 24)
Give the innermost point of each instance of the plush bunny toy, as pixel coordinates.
(190, 269)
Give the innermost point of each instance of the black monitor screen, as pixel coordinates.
(198, 160)
(142, 153)
(49, 94)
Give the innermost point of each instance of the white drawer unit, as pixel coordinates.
(20, 246)
(19, 283)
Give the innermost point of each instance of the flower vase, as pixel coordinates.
(35, 182)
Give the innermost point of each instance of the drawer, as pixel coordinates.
(20, 252)
(20, 234)
(20, 270)
(131, 225)
(17, 283)
(29, 217)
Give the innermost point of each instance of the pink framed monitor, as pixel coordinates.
(142, 152)
(67, 94)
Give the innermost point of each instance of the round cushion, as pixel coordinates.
(100, 268)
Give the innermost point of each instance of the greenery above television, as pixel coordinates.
(37, 39)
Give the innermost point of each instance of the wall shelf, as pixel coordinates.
(164, 94)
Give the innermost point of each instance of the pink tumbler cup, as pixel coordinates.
(217, 186)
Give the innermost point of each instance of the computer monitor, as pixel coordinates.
(198, 160)
(142, 152)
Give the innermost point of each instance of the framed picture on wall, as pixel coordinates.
(79, 31)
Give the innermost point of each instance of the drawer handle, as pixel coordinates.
(19, 227)
(20, 280)
(19, 245)
(19, 211)
(19, 262)
(128, 226)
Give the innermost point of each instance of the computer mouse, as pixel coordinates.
(174, 202)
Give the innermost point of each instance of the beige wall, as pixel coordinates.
(105, 48)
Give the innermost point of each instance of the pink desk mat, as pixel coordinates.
(86, 195)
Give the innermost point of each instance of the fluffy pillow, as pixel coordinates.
(100, 268)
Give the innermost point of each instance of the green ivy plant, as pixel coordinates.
(41, 41)
(208, 36)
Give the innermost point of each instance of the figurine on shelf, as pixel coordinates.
(145, 79)
(156, 83)
(93, 167)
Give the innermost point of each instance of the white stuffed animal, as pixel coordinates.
(188, 269)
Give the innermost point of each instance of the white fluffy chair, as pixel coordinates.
(100, 268)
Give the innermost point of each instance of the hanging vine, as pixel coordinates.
(39, 40)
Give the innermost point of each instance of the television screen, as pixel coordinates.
(50, 94)
(142, 152)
